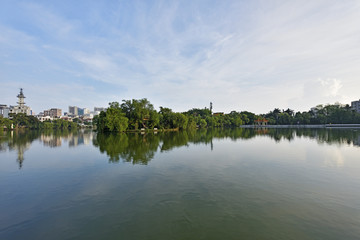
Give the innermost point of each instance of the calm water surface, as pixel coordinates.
(214, 184)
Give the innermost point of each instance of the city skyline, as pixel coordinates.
(84, 111)
(240, 55)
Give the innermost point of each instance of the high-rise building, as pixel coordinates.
(54, 112)
(356, 106)
(73, 110)
(80, 111)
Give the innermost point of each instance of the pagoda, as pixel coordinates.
(21, 107)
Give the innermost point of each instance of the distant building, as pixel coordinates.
(46, 113)
(67, 118)
(83, 111)
(54, 113)
(99, 109)
(4, 111)
(261, 122)
(44, 118)
(80, 111)
(21, 107)
(218, 114)
(355, 105)
(73, 110)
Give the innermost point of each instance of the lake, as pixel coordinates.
(205, 184)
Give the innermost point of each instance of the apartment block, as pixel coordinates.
(73, 110)
(356, 106)
(4, 111)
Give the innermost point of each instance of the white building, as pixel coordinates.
(356, 106)
(4, 111)
(21, 107)
(44, 118)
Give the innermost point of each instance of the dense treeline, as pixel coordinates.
(329, 114)
(140, 114)
(22, 120)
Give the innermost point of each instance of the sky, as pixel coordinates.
(240, 55)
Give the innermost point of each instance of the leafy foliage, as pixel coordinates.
(22, 120)
(112, 120)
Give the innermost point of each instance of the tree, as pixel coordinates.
(179, 121)
(191, 124)
(20, 119)
(115, 119)
(140, 113)
(5, 122)
(202, 123)
(165, 118)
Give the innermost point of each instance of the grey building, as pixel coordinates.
(54, 113)
(73, 110)
(99, 109)
(4, 111)
(356, 106)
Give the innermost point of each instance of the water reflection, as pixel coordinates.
(21, 140)
(141, 148)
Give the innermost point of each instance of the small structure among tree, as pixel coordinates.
(261, 122)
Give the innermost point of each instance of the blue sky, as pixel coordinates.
(240, 55)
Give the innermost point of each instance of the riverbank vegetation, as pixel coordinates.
(22, 120)
(134, 115)
(328, 114)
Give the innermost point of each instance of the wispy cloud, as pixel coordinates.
(239, 55)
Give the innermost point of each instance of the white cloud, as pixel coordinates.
(323, 89)
(252, 55)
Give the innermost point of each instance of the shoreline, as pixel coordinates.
(304, 126)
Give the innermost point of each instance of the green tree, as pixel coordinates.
(202, 123)
(115, 119)
(140, 113)
(179, 121)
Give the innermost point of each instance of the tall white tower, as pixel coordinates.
(20, 108)
(21, 98)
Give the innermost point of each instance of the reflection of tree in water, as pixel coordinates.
(140, 149)
(134, 148)
(171, 140)
(335, 136)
